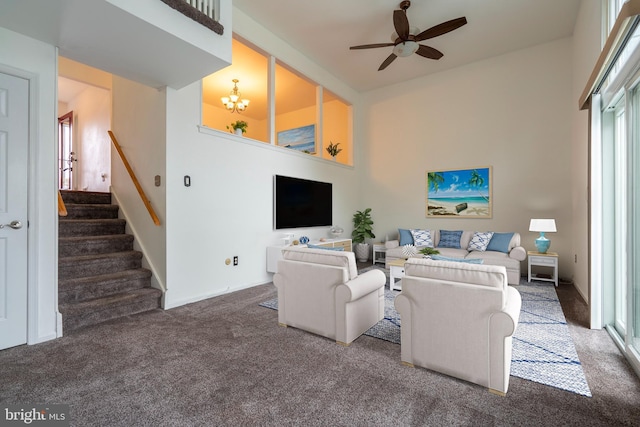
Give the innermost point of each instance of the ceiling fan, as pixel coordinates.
(406, 38)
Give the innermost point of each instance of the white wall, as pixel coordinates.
(511, 112)
(586, 48)
(227, 210)
(31, 59)
(138, 123)
(91, 121)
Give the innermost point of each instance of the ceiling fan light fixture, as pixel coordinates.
(413, 31)
(404, 49)
(406, 37)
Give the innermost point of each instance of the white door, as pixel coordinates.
(14, 131)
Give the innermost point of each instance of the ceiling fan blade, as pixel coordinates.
(371, 46)
(387, 61)
(401, 24)
(441, 29)
(429, 52)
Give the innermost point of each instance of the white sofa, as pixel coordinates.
(459, 319)
(320, 291)
(510, 257)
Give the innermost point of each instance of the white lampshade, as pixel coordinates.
(405, 48)
(543, 225)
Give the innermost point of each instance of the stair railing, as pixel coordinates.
(204, 12)
(141, 192)
(62, 208)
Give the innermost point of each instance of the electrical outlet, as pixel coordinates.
(235, 260)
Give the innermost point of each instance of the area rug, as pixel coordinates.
(543, 350)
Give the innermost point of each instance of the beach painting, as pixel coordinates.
(459, 193)
(300, 139)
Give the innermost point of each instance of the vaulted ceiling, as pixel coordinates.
(324, 31)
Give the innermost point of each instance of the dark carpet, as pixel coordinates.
(225, 361)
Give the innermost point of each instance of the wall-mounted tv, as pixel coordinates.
(301, 203)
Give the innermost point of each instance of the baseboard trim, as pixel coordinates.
(168, 304)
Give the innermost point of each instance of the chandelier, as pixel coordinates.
(233, 101)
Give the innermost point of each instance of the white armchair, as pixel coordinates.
(320, 291)
(459, 319)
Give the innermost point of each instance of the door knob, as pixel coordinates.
(13, 224)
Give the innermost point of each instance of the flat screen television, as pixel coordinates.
(301, 203)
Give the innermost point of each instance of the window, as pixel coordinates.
(620, 215)
(306, 117)
(250, 68)
(296, 111)
(336, 115)
(613, 8)
(620, 224)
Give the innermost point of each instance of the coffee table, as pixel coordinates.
(396, 271)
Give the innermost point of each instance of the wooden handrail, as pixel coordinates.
(62, 209)
(143, 196)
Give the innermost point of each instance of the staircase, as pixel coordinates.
(100, 276)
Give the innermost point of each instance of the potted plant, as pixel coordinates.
(333, 149)
(239, 127)
(429, 251)
(362, 229)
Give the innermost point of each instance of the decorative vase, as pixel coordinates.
(238, 131)
(362, 252)
(336, 231)
(542, 243)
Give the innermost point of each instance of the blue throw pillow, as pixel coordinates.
(450, 239)
(338, 248)
(465, 260)
(406, 238)
(500, 242)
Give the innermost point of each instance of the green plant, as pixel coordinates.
(333, 149)
(362, 226)
(429, 251)
(238, 124)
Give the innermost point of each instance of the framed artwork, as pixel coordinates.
(300, 139)
(459, 193)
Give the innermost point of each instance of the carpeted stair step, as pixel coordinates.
(90, 245)
(92, 265)
(100, 276)
(86, 288)
(91, 211)
(90, 227)
(91, 197)
(98, 310)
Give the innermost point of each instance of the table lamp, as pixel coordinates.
(543, 226)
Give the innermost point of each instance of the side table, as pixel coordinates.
(549, 259)
(396, 271)
(379, 250)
